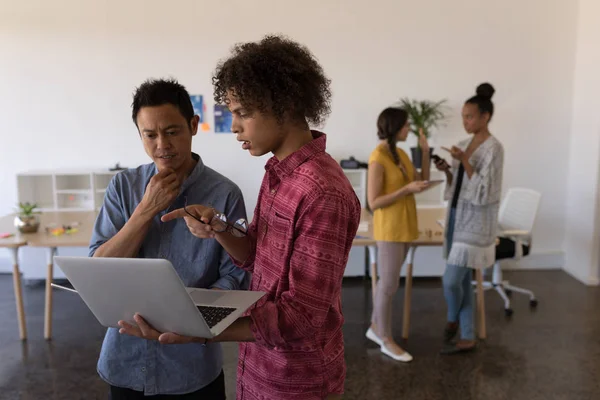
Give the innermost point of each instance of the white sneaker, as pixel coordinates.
(404, 357)
(373, 337)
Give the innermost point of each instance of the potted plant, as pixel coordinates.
(423, 116)
(27, 219)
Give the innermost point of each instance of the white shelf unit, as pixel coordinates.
(59, 190)
(64, 190)
(358, 180)
(356, 260)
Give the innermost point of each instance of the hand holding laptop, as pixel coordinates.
(145, 331)
(238, 331)
(119, 291)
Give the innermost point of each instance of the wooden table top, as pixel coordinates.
(83, 221)
(430, 232)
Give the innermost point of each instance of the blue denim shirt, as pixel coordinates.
(142, 365)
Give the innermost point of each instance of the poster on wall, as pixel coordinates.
(198, 104)
(200, 111)
(223, 119)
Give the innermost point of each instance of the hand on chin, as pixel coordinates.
(163, 164)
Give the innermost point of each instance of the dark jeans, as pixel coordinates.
(214, 391)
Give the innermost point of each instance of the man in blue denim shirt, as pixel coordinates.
(129, 225)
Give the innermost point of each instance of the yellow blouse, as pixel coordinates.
(398, 221)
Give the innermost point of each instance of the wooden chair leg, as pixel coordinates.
(48, 305)
(408, 293)
(19, 295)
(480, 304)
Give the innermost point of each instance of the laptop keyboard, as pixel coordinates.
(214, 315)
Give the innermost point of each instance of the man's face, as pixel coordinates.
(259, 133)
(166, 135)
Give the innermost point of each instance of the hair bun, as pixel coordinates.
(485, 90)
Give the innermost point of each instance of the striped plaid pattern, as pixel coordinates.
(303, 227)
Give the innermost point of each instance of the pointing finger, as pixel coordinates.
(179, 213)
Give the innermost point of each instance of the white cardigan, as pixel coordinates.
(476, 219)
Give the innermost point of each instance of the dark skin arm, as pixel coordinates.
(463, 157)
(239, 331)
(238, 247)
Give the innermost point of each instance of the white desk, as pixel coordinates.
(85, 220)
(430, 234)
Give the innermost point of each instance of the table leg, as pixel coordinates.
(408, 292)
(48, 308)
(19, 294)
(480, 304)
(366, 264)
(373, 262)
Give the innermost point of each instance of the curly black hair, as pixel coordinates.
(275, 75)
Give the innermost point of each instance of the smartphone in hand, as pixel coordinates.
(440, 162)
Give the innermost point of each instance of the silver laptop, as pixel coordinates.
(116, 288)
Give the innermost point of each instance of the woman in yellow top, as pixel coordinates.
(392, 182)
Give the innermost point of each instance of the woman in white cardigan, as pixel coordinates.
(473, 191)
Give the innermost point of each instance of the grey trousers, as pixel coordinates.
(390, 258)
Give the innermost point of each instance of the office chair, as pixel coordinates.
(516, 218)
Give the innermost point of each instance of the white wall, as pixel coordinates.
(69, 68)
(583, 216)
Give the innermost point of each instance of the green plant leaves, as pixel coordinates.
(424, 114)
(27, 208)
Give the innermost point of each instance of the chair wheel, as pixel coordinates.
(533, 303)
(508, 312)
(508, 292)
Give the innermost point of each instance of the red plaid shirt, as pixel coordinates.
(304, 223)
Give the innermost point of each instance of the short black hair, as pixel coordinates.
(157, 92)
(483, 98)
(275, 75)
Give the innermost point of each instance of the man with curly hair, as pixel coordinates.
(304, 223)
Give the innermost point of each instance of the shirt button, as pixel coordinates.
(273, 191)
(143, 369)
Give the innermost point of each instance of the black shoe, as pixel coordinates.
(452, 348)
(449, 334)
